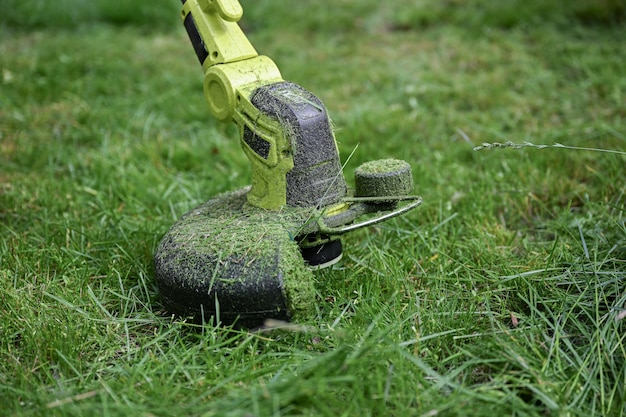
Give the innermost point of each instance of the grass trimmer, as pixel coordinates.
(249, 255)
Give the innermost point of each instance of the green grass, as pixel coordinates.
(504, 294)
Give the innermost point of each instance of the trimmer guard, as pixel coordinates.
(235, 262)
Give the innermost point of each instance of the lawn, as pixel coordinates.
(503, 294)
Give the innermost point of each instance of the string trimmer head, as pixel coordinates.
(249, 255)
